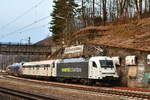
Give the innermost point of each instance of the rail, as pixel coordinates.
(131, 93)
(25, 95)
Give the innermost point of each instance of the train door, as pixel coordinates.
(50, 69)
(94, 69)
(54, 67)
(47, 68)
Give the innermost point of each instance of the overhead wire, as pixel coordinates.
(33, 28)
(22, 15)
(16, 31)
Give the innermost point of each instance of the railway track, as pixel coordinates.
(24, 94)
(129, 93)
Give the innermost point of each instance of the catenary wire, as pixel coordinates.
(23, 14)
(32, 28)
(16, 31)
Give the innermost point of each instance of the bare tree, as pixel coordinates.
(108, 10)
(149, 6)
(104, 2)
(138, 5)
(93, 8)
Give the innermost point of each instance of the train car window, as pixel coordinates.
(94, 64)
(38, 66)
(48, 65)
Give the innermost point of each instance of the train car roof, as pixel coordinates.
(15, 65)
(38, 62)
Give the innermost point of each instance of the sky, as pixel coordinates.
(21, 19)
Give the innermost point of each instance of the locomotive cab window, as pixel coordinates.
(106, 63)
(94, 64)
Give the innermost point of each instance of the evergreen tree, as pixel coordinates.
(62, 17)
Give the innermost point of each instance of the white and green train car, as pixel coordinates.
(39, 68)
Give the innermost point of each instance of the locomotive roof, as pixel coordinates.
(74, 60)
(101, 58)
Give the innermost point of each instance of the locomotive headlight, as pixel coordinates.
(116, 75)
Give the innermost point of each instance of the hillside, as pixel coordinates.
(135, 35)
(46, 42)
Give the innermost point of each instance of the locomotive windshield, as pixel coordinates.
(106, 63)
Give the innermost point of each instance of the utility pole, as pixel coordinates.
(29, 40)
(29, 43)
